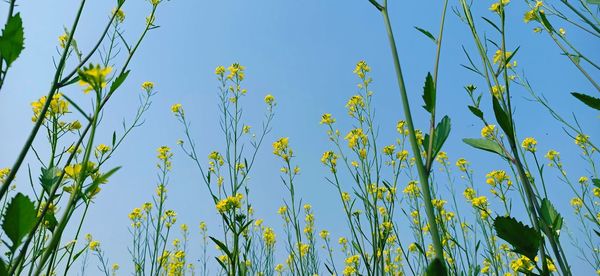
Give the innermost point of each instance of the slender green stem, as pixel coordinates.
(423, 176)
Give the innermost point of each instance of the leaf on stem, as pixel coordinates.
(524, 239)
(19, 219)
(485, 144)
(588, 100)
(551, 217)
(427, 34)
(12, 39)
(429, 93)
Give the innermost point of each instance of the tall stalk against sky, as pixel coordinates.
(437, 135)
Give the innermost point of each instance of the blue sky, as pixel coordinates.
(302, 52)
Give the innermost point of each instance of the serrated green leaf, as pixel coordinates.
(429, 93)
(551, 217)
(12, 39)
(436, 268)
(118, 81)
(476, 111)
(484, 144)
(427, 34)
(19, 219)
(503, 119)
(524, 239)
(49, 178)
(442, 130)
(590, 101)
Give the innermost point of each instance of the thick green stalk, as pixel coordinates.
(423, 175)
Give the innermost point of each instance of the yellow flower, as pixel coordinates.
(281, 148)
(324, 234)
(57, 107)
(354, 104)
(361, 68)
(552, 155)
(93, 77)
(497, 91)
(355, 136)
(581, 140)
(230, 203)
(529, 144)
(148, 86)
(269, 99)
(462, 164)
(177, 108)
(62, 40)
(389, 150)
(499, 6)
(119, 15)
(488, 131)
(480, 202)
(220, 70)
(498, 59)
(438, 203)
(562, 31)
(93, 245)
(577, 203)
(327, 119)
(412, 189)
(269, 237)
(522, 263)
(236, 71)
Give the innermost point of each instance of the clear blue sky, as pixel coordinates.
(302, 52)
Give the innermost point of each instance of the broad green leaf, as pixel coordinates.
(524, 239)
(551, 217)
(590, 101)
(12, 39)
(436, 268)
(19, 219)
(48, 178)
(442, 130)
(503, 119)
(118, 81)
(429, 93)
(596, 182)
(484, 144)
(427, 33)
(476, 111)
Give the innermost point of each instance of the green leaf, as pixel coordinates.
(3, 268)
(593, 2)
(442, 130)
(50, 221)
(49, 178)
(118, 81)
(551, 217)
(12, 39)
(545, 22)
(222, 246)
(590, 101)
(524, 239)
(427, 33)
(19, 219)
(429, 93)
(484, 144)
(596, 182)
(503, 119)
(436, 268)
(476, 111)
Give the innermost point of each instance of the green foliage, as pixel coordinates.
(590, 101)
(436, 268)
(427, 33)
(524, 239)
(19, 219)
(484, 144)
(503, 119)
(442, 130)
(12, 39)
(429, 93)
(551, 217)
(49, 178)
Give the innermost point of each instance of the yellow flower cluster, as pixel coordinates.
(354, 104)
(488, 131)
(532, 14)
(327, 119)
(281, 148)
(229, 203)
(361, 69)
(94, 77)
(269, 237)
(497, 177)
(499, 6)
(355, 137)
(269, 99)
(462, 164)
(57, 107)
(529, 144)
(236, 71)
(499, 59)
